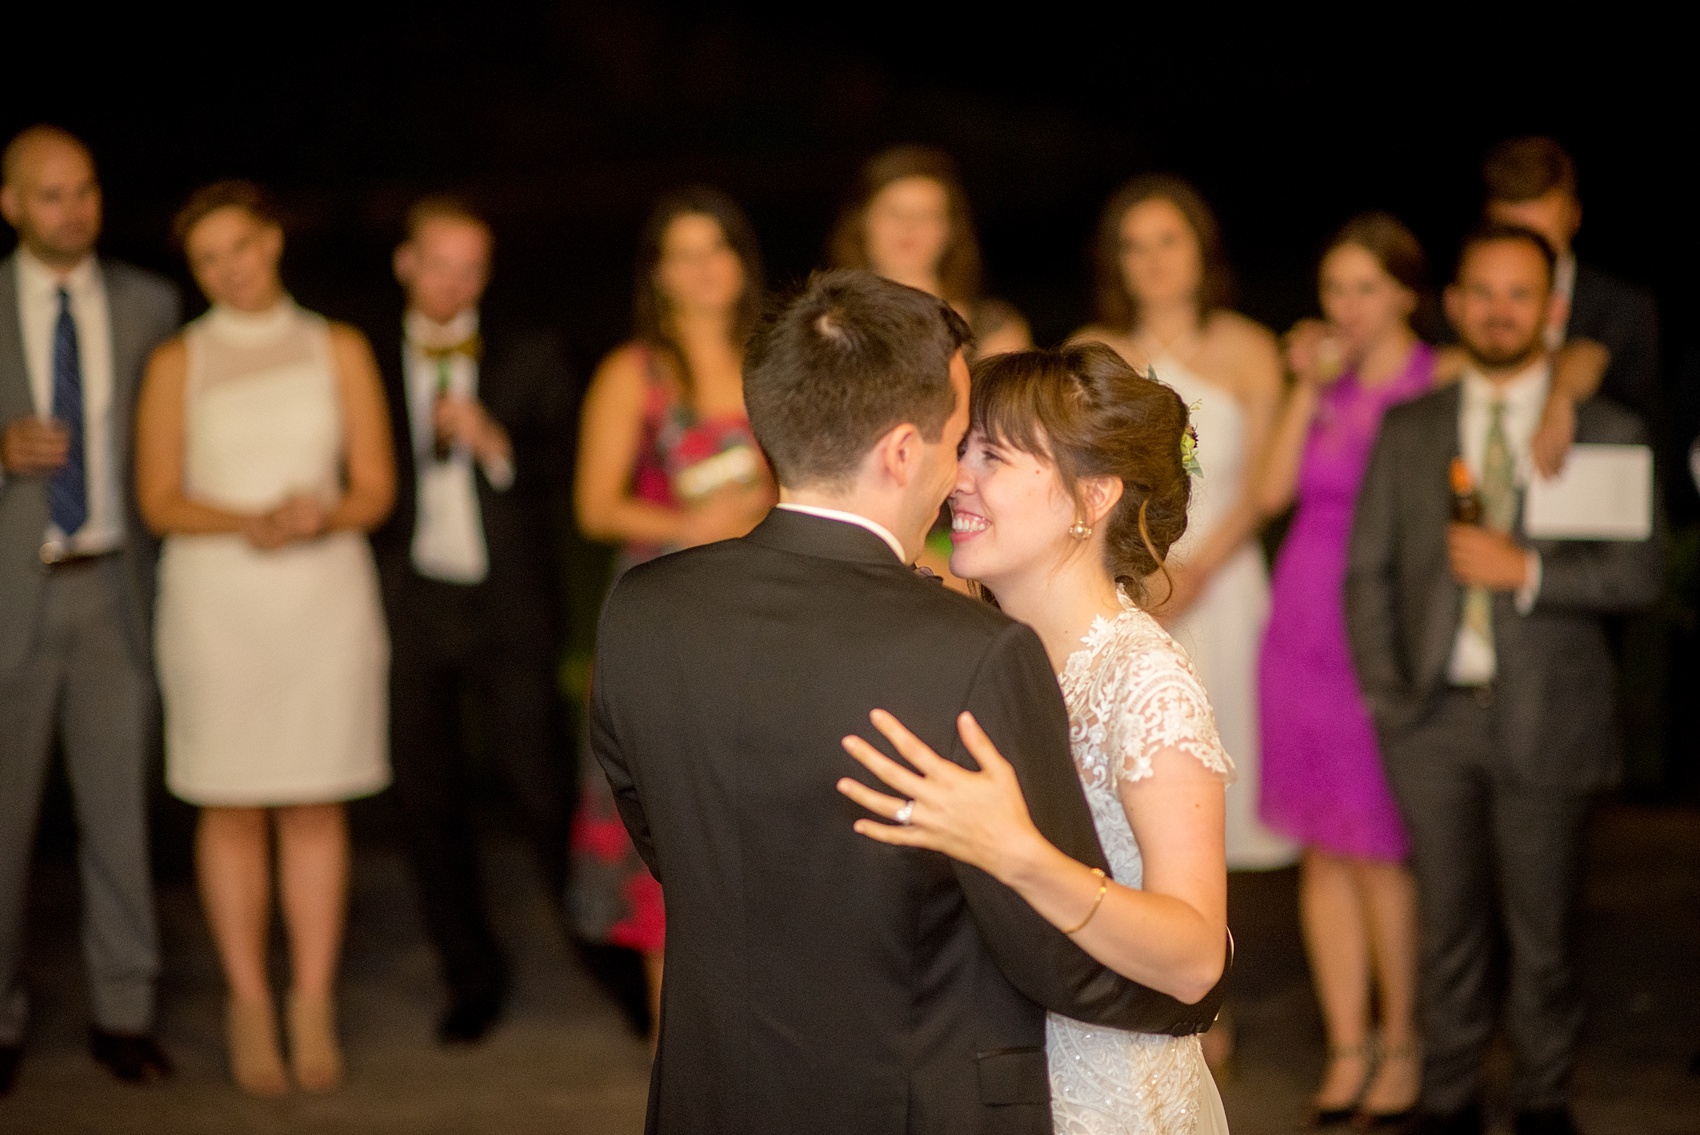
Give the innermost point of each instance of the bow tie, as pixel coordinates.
(471, 347)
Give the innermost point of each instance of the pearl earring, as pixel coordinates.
(1080, 530)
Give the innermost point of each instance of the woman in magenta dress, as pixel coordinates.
(666, 461)
(1323, 783)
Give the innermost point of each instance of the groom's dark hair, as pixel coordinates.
(852, 356)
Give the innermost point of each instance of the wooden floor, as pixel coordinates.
(566, 1058)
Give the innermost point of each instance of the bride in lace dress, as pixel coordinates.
(1072, 487)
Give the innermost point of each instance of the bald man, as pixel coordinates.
(76, 581)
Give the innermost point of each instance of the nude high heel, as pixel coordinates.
(313, 1051)
(251, 1034)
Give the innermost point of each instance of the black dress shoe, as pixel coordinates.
(11, 1055)
(469, 1018)
(1546, 1121)
(1467, 1121)
(133, 1058)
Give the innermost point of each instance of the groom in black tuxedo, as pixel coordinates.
(816, 980)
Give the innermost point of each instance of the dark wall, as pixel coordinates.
(565, 120)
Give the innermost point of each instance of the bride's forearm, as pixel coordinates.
(1157, 940)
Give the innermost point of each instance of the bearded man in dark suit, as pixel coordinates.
(1484, 658)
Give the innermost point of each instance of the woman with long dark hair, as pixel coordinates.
(909, 221)
(1163, 288)
(666, 461)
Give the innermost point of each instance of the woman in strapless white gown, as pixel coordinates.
(262, 459)
(1069, 554)
(1161, 287)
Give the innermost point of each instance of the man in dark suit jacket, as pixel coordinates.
(817, 981)
(468, 575)
(76, 586)
(1532, 182)
(1494, 708)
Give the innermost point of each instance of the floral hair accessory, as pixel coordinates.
(1189, 449)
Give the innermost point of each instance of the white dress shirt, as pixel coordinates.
(448, 529)
(873, 526)
(1473, 660)
(38, 318)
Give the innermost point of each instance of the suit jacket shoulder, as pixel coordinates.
(1625, 318)
(142, 292)
(1604, 421)
(667, 578)
(1436, 409)
(1596, 287)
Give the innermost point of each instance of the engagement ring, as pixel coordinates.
(905, 812)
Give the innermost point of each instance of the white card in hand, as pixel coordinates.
(1604, 493)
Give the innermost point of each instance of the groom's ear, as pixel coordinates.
(899, 453)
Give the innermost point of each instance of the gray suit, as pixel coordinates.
(75, 650)
(1493, 782)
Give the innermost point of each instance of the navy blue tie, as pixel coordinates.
(67, 489)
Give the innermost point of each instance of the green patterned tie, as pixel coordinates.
(1499, 509)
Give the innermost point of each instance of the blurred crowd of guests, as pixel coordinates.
(317, 548)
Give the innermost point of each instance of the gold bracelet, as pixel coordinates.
(1103, 889)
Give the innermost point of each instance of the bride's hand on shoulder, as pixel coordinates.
(977, 817)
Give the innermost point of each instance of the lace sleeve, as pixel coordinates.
(1161, 705)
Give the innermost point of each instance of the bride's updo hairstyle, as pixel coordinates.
(1088, 413)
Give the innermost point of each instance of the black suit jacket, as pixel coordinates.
(522, 383)
(1626, 320)
(816, 980)
(1554, 686)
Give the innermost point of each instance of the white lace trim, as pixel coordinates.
(1132, 692)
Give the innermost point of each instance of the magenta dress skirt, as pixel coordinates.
(1323, 782)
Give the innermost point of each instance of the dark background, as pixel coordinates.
(564, 121)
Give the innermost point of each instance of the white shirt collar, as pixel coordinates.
(873, 526)
(39, 277)
(420, 329)
(1524, 394)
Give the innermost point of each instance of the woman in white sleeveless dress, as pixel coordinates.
(262, 459)
(1072, 487)
(1162, 286)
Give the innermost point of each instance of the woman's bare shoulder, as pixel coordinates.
(623, 374)
(1238, 333)
(172, 354)
(1241, 352)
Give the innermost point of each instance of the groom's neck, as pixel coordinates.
(858, 501)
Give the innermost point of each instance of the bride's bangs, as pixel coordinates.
(1016, 401)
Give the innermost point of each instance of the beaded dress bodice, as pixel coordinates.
(1131, 693)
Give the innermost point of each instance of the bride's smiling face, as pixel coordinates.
(1010, 513)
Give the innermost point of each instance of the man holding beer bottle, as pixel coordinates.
(1484, 659)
